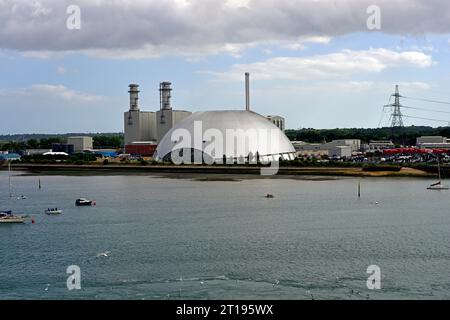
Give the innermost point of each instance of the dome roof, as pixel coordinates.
(257, 134)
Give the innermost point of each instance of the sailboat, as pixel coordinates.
(7, 216)
(9, 180)
(11, 194)
(438, 185)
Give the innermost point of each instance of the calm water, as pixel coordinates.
(171, 239)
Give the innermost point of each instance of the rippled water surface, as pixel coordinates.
(180, 238)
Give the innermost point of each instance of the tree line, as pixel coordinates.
(99, 142)
(405, 136)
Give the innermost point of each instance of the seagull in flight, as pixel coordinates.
(103, 254)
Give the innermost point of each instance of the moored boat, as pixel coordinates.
(438, 185)
(84, 202)
(51, 211)
(8, 217)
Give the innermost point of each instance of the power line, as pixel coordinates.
(427, 100)
(381, 119)
(420, 118)
(426, 109)
(396, 114)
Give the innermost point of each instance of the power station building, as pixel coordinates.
(144, 130)
(146, 126)
(278, 121)
(243, 135)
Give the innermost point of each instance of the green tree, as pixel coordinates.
(46, 143)
(33, 143)
(108, 141)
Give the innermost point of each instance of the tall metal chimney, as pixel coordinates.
(165, 95)
(134, 97)
(247, 91)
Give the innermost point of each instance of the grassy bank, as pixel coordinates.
(222, 170)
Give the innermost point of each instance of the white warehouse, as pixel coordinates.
(81, 144)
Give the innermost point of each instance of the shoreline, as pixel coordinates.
(230, 171)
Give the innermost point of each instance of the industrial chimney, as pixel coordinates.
(134, 97)
(247, 91)
(165, 95)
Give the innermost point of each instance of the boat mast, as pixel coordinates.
(359, 189)
(439, 169)
(9, 179)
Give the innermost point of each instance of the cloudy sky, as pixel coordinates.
(315, 62)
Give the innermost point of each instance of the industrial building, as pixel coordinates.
(63, 147)
(141, 148)
(433, 142)
(354, 144)
(239, 122)
(257, 136)
(334, 149)
(148, 126)
(34, 152)
(146, 131)
(278, 121)
(81, 143)
(315, 150)
(9, 156)
(431, 139)
(379, 145)
(340, 152)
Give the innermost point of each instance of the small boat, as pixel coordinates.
(8, 217)
(84, 202)
(438, 185)
(50, 211)
(11, 194)
(270, 196)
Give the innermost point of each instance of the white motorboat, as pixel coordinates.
(51, 211)
(82, 202)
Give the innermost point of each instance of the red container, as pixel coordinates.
(146, 150)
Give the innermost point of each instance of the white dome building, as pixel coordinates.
(234, 135)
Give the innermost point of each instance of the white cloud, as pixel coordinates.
(151, 28)
(62, 92)
(302, 43)
(44, 54)
(61, 70)
(350, 87)
(46, 92)
(334, 65)
(237, 3)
